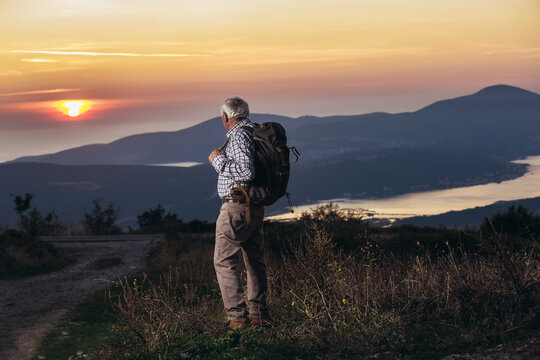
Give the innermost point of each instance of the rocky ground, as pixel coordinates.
(30, 307)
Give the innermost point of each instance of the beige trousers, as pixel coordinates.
(232, 237)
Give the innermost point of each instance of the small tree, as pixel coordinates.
(23, 203)
(101, 221)
(32, 222)
(156, 221)
(151, 221)
(52, 226)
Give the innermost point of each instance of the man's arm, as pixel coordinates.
(239, 163)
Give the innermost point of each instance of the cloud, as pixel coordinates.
(39, 60)
(34, 92)
(284, 55)
(90, 53)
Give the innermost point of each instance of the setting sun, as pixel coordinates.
(73, 108)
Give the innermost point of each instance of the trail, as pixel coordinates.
(30, 307)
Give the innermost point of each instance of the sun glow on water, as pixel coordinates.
(73, 108)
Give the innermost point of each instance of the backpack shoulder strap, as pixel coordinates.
(249, 128)
(224, 144)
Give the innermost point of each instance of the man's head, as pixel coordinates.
(233, 110)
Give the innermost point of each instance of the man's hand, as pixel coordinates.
(213, 154)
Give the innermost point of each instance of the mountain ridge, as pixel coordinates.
(461, 121)
(191, 192)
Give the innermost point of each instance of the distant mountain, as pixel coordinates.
(191, 144)
(501, 121)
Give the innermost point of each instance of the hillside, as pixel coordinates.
(191, 192)
(191, 144)
(501, 121)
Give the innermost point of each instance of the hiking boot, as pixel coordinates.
(258, 322)
(238, 324)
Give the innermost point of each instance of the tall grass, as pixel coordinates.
(331, 297)
(155, 315)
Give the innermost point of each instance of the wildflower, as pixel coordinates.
(344, 301)
(292, 304)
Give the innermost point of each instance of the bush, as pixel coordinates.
(21, 254)
(518, 225)
(32, 222)
(349, 231)
(156, 221)
(101, 221)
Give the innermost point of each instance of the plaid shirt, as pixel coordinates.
(238, 163)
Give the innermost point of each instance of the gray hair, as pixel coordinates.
(235, 107)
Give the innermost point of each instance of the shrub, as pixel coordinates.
(517, 224)
(32, 222)
(349, 231)
(101, 221)
(155, 221)
(22, 254)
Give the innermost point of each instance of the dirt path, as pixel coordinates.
(30, 307)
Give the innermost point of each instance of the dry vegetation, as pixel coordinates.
(331, 297)
(22, 254)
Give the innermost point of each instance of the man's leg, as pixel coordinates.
(253, 252)
(225, 262)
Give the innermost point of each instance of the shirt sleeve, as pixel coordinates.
(238, 164)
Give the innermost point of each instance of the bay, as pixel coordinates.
(440, 201)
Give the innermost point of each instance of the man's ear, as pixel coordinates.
(224, 118)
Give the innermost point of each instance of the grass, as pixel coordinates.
(338, 289)
(83, 331)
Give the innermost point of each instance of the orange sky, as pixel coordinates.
(164, 65)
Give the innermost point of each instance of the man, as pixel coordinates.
(236, 229)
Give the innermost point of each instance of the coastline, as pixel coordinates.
(436, 202)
